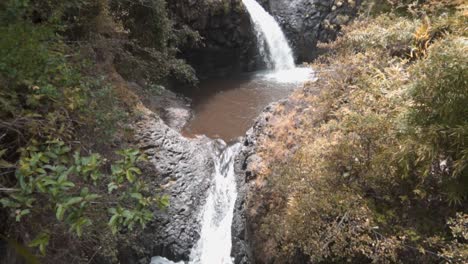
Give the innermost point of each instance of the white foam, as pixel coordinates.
(295, 75)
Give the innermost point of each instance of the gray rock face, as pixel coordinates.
(229, 44)
(307, 21)
(174, 109)
(183, 170)
(247, 157)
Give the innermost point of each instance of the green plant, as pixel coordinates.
(50, 179)
(57, 107)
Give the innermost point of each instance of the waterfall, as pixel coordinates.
(274, 47)
(271, 40)
(215, 242)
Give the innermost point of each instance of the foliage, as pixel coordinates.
(410, 7)
(139, 16)
(58, 110)
(152, 52)
(380, 173)
(52, 179)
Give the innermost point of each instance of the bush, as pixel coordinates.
(380, 173)
(151, 53)
(56, 113)
(53, 181)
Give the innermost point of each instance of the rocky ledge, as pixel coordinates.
(252, 203)
(182, 169)
(245, 168)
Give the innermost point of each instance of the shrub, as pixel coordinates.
(55, 112)
(53, 181)
(379, 174)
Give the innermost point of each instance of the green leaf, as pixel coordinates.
(22, 213)
(41, 171)
(111, 186)
(130, 176)
(79, 224)
(73, 200)
(60, 212)
(137, 196)
(68, 184)
(41, 241)
(112, 210)
(135, 169)
(114, 219)
(116, 169)
(91, 197)
(84, 192)
(9, 203)
(163, 202)
(48, 181)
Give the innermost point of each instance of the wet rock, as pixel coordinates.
(182, 169)
(174, 109)
(305, 22)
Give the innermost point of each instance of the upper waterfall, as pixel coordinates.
(272, 43)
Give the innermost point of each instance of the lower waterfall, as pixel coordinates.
(215, 242)
(214, 245)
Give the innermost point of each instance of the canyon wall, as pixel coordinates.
(305, 22)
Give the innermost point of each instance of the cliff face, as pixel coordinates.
(305, 22)
(228, 43)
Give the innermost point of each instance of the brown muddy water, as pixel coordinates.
(227, 108)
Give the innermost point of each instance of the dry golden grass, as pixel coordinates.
(334, 184)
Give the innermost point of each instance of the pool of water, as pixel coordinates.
(226, 108)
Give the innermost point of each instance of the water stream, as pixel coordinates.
(225, 109)
(215, 242)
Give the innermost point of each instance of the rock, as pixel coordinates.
(174, 109)
(305, 22)
(245, 174)
(182, 168)
(229, 44)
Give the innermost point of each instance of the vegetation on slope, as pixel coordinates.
(61, 105)
(380, 173)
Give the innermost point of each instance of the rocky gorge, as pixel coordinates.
(119, 82)
(184, 166)
(233, 131)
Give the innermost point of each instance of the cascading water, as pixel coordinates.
(279, 55)
(215, 242)
(214, 245)
(274, 47)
